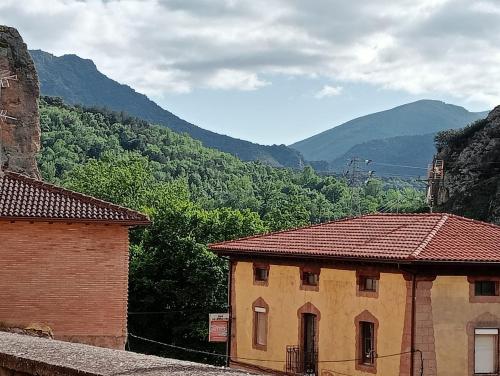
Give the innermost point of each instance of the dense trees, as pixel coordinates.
(194, 196)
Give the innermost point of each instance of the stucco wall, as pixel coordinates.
(451, 312)
(71, 277)
(338, 304)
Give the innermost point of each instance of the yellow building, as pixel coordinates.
(384, 294)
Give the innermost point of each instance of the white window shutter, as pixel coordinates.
(485, 345)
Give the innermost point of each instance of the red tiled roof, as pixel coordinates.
(24, 198)
(408, 237)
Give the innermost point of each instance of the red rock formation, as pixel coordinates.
(19, 118)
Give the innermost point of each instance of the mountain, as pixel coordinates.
(471, 156)
(417, 118)
(78, 81)
(404, 156)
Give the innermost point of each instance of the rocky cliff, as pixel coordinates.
(19, 118)
(471, 157)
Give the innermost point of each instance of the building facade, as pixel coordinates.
(379, 294)
(64, 262)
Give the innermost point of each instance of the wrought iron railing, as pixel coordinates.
(300, 362)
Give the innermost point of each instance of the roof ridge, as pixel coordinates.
(476, 221)
(80, 196)
(429, 236)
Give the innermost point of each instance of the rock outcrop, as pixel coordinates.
(471, 157)
(19, 118)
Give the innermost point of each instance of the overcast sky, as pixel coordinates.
(277, 71)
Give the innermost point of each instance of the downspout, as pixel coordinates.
(230, 311)
(412, 331)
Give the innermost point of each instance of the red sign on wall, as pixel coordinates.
(218, 329)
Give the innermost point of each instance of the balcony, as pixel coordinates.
(300, 362)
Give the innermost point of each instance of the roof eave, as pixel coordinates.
(408, 261)
(124, 222)
(385, 260)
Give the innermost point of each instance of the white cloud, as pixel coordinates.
(227, 79)
(429, 47)
(329, 91)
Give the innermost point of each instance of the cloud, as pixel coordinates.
(227, 79)
(427, 47)
(329, 91)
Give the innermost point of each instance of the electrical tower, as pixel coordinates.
(435, 181)
(356, 176)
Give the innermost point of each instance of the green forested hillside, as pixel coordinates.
(194, 196)
(78, 81)
(417, 118)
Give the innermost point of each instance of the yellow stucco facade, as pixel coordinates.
(446, 313)
(452, 311)
(338, 303)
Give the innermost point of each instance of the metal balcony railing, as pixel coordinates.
(300, 362)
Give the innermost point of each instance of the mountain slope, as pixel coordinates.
(78, 81)
(472, 169)
(403, 156)
(417, 118)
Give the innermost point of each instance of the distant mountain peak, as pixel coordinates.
(78, 81)
(421, 117)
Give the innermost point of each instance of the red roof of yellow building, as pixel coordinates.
(403, 237)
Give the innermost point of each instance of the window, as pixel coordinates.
(485, 351)
(310, 278)
(367, 342)
(485, 288)
(368, 284)
(261, 273)
(260, 326)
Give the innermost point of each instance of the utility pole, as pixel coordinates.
(435, 180)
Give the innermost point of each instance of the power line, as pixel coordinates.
(255, 359)
(396, 165)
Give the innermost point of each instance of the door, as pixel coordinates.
(309, 346)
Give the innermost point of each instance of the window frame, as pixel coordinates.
(473, 298)
(360, 365)
(309, 270)
(481, 282)
(364, 327)
(259, 282)
(493, 332)
(362, 274)
(260, 307)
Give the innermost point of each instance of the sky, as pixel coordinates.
(277, 71)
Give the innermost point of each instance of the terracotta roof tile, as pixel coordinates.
(22, 197)
(408, 237)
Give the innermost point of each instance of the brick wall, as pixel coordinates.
(70, 277)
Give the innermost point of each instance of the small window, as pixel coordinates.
(260, 326)
(367, 332)
(310, 278)
(485, 351)
(485, 288)
(261, 274)
(368, 284)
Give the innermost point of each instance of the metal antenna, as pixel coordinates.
(435, 181)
